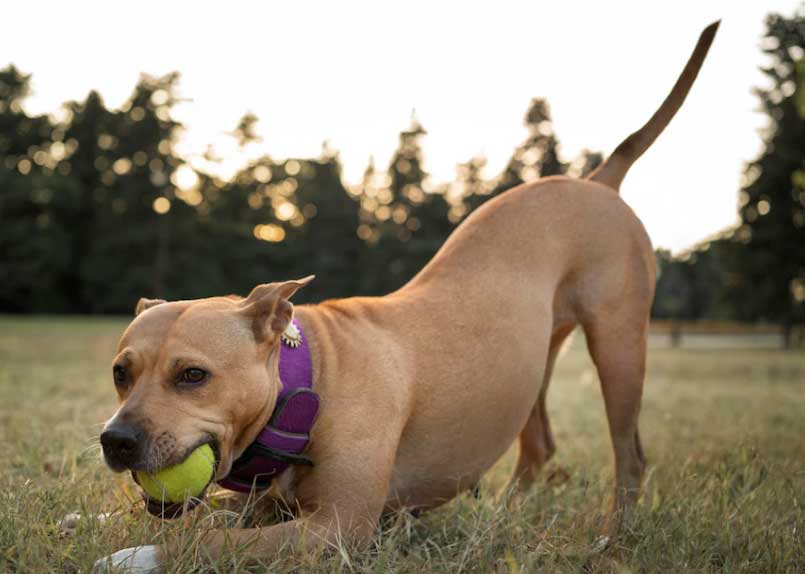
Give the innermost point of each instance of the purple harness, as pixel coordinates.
(287, 434)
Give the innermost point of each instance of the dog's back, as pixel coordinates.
(485, 319)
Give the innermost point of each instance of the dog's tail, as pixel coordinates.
(613, 170)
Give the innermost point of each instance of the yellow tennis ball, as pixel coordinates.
(178, 482)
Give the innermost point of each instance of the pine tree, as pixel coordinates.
(538, 156)
(768, 280)
(37, 206)
(417, 222)
(245, 132)
(124, 163)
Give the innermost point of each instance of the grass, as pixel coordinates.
(725, 491)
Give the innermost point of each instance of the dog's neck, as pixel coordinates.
(282, 441)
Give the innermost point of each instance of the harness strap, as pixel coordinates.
(284, 439)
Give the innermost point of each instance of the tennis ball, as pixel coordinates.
(176, 483)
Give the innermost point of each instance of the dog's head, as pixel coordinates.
(194, 372)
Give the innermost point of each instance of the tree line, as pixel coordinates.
(755, 270)
(97, 209)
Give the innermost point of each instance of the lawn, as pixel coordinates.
(724, 433)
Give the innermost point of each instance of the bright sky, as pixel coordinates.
(351, 72)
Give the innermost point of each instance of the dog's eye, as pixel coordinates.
(119, 375)
(193, 376)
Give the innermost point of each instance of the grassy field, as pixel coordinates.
(724, 432)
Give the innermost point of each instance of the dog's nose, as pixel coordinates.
(122, 445)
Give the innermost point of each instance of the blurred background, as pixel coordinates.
(169, 154)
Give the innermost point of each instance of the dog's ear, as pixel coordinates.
(144, 304)
(269, 307)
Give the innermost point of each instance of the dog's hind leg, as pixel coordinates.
(536, 439)
(617, 344)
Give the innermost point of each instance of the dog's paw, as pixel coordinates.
(135, 560)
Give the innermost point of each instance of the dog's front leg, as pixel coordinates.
(313, 532)
(348, 499)
(251, 543)
(341, 501)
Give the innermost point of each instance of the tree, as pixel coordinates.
(98, 210)
(414, 215)
(469, 183)
(770, 269)
(279, 219)
(585, 163)
(124, 164)
(691, 286)
(245, 132)
(673, 295)
(538, 156)
(36, 205)
(328, 219)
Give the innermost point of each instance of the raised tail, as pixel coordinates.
(613, 170)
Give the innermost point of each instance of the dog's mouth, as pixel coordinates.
(216, 451)
(169, 510)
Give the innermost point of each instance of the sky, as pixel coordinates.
(353, 72)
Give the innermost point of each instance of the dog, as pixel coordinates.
(421, 391)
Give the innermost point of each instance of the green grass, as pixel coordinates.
(724, 432)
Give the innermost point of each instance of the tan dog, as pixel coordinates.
(424, 389)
